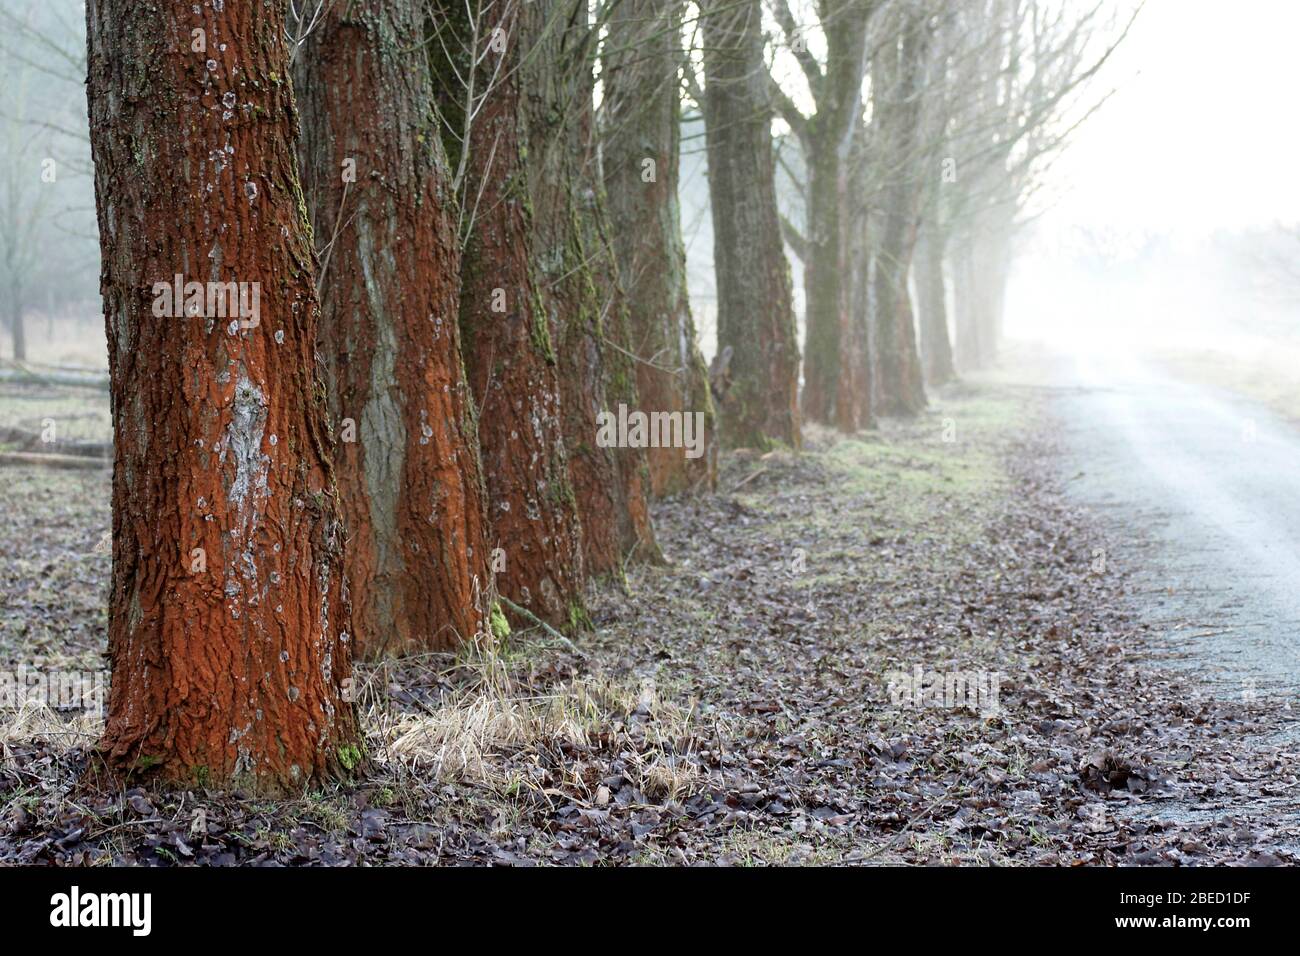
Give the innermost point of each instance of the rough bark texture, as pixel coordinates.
(511, 362)
(826, 381)
(640, 148)
(635, 533)
(228, 663)
(899, 386)
(757, 366)
(932, 307)
(580, 287)
(377, 188)
(831, 389)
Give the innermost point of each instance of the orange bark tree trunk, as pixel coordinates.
(229, 631)
(641, 118)
(580, 287)
(378, 190)
(509, 355)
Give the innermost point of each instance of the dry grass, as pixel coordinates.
(491, 728)
(32, 722)
(1264, 372)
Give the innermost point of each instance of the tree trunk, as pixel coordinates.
(900, 389)
(19, 331)
(17, 325)
(897, 94)
(932, 307)
(640, 150)
(828, 385)
(996, 278)
(377, 187)
(580, 288)
(965, 289)
(229, 630)
(979, 271)
(861, 345)
(757, 366)
(832, 381)
(862, 293)
(509, 356)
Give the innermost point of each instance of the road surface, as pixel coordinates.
(1199, 494)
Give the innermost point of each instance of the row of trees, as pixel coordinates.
(919, 132)
(48, 247)
(463, 265)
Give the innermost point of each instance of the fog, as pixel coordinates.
(1170, 222)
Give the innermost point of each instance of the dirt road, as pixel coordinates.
(1200, 494)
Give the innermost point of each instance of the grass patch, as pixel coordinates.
(1266, 375)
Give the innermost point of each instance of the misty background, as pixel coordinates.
(1171, 223)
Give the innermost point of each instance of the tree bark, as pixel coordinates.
(932, 306)
(580, 288)
(757, 364)
(18, 330)
(831, 386)
(229, 630)
(862, 291)
(980, 272)
(900, 389)
(828, 388)
(996, 279)
(509, 355)
(640, 149)
(378, 191)
(966, 294)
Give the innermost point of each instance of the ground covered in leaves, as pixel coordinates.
(754, 702)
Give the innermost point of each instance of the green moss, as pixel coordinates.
(579, 619)
(350, 756)
(561, 491)
(497, 621)
(541, 330)
(305, 220)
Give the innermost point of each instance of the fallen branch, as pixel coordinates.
(746, 480)
(18, 372)
(532, 618)
(32, 442)
(52, 461)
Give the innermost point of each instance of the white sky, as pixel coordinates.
(1205, 129)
